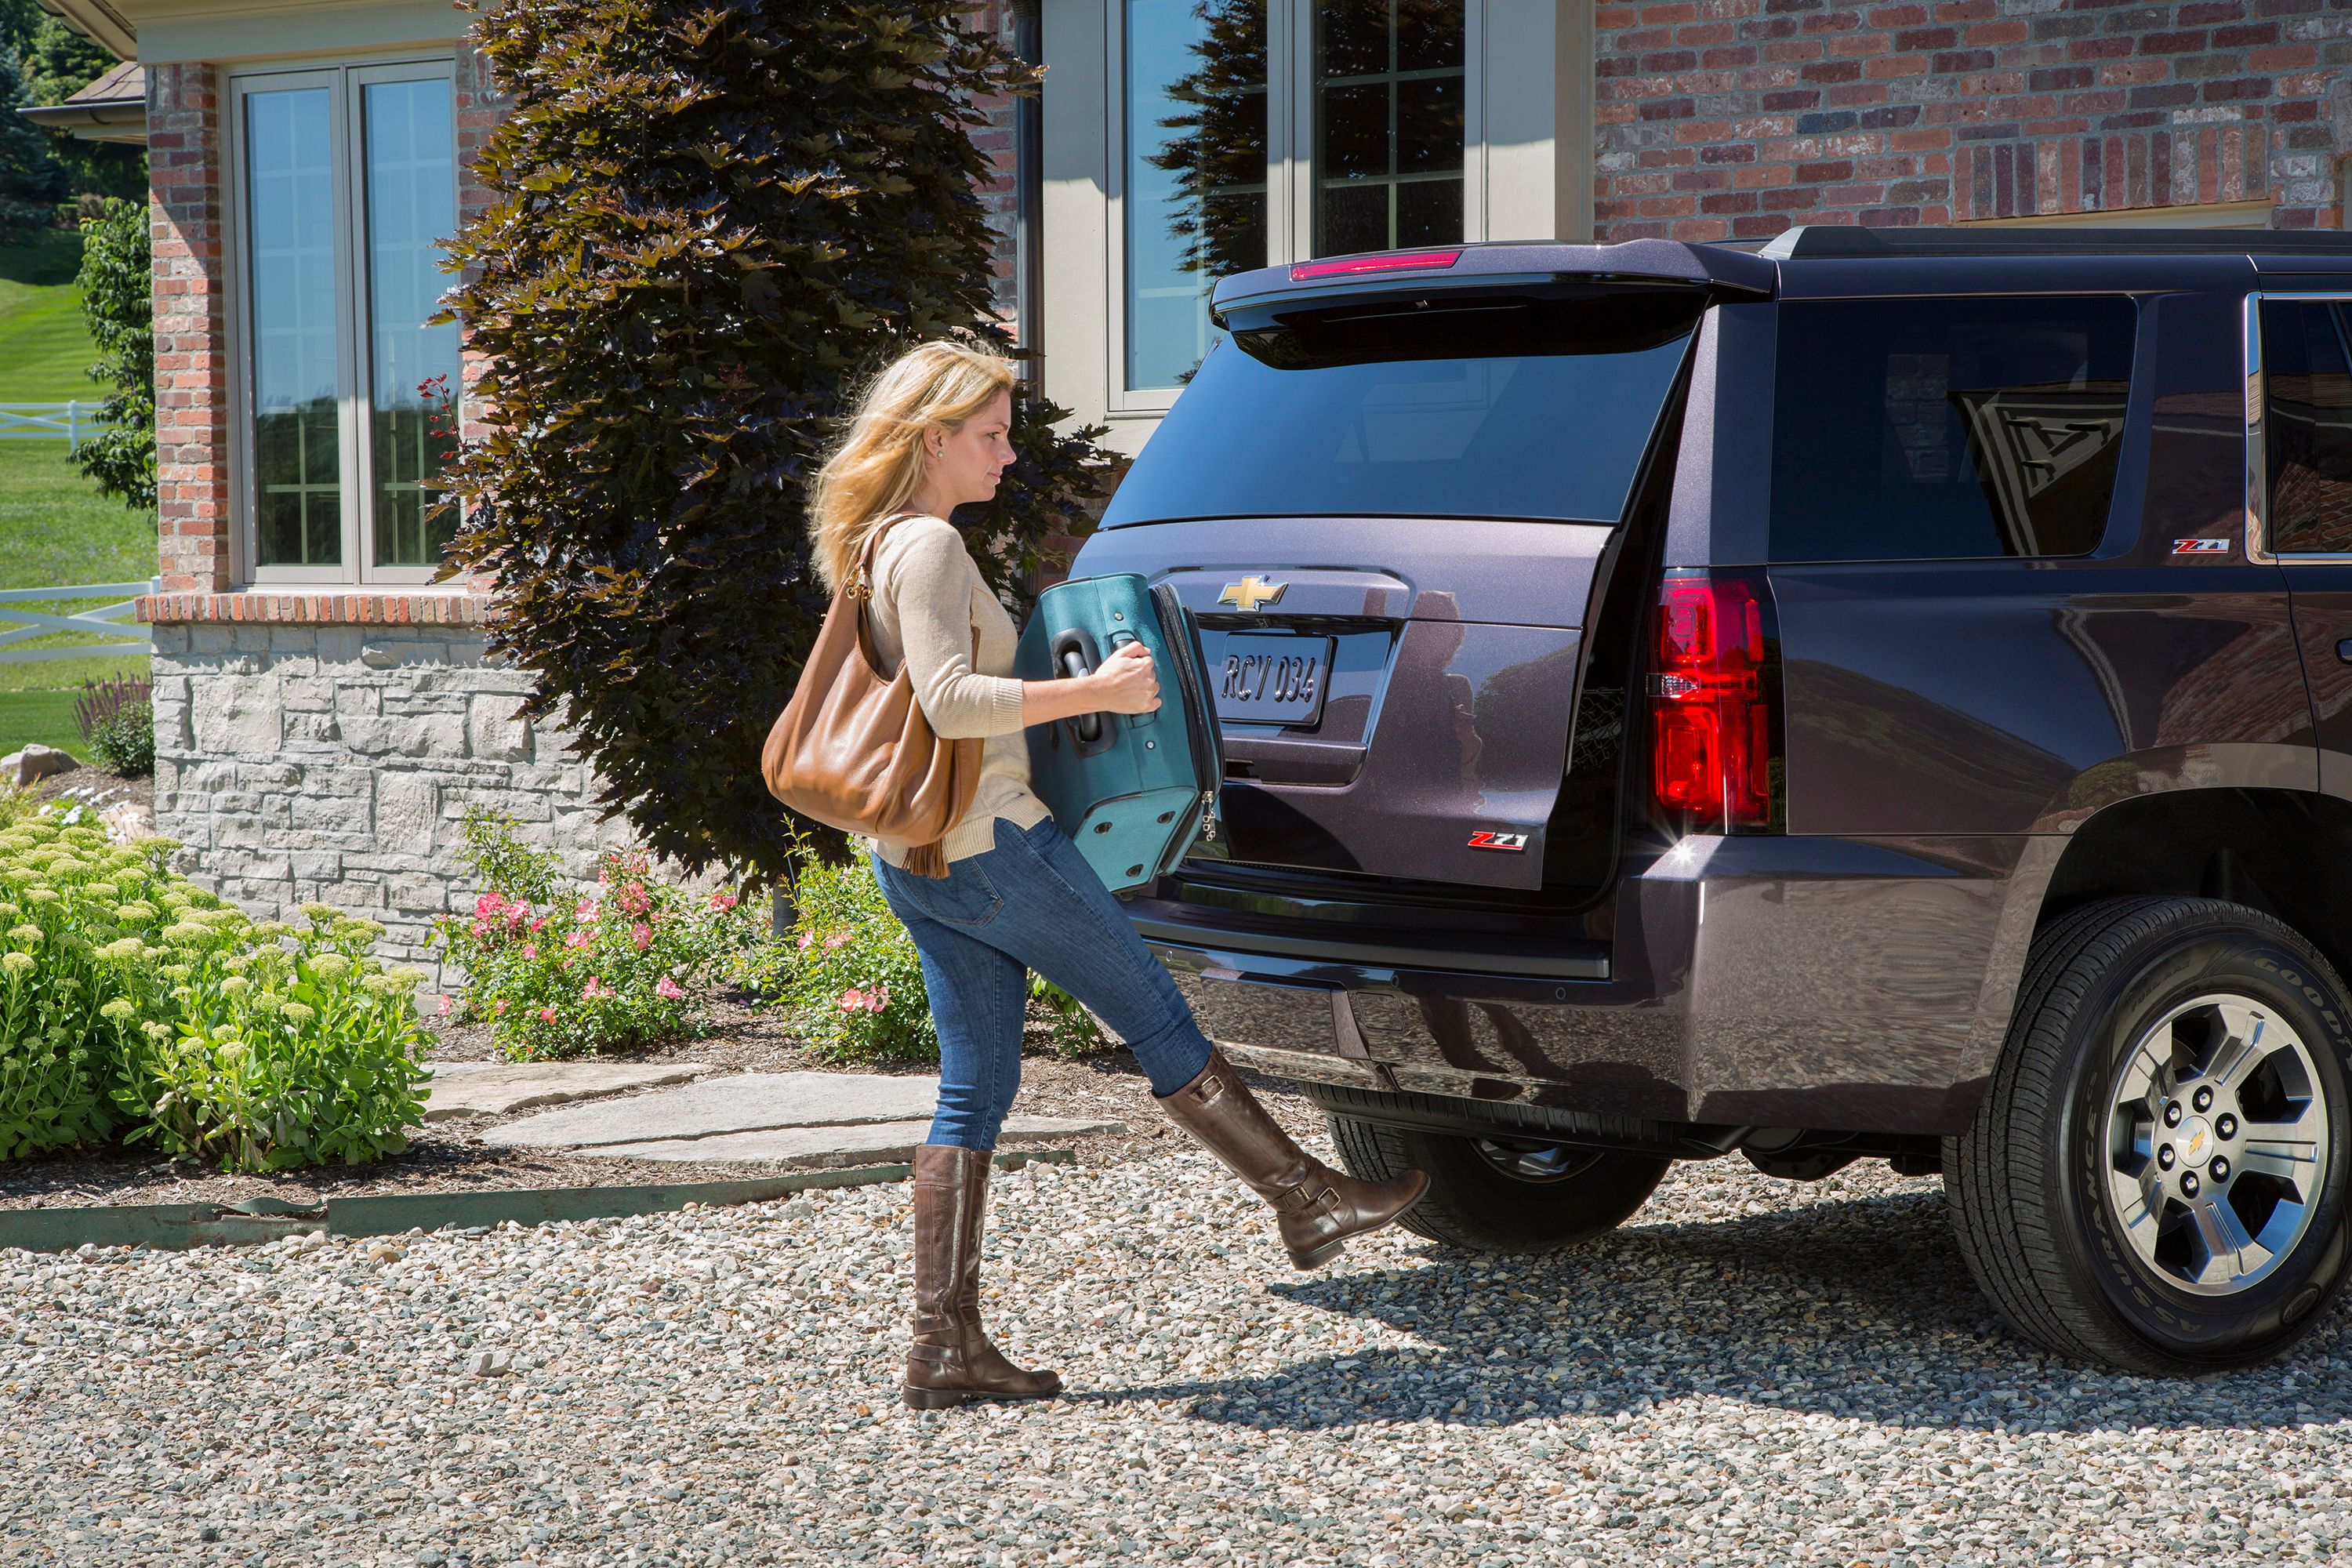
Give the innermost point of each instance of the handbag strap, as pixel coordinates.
(860, 587)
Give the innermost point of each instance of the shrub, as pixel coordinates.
(556, 972)
(850, 981)
(117, 721)
(707, 222)
(851, 984)
(137, 1002)
(117, 302)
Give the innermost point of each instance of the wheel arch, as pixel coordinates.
(2282, 851)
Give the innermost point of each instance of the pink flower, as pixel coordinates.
(595, 988)
(807, 937)
(852, 1000)
(633, 899)
(577, 939)
(546, 1015)
(642, 936)
(667, 989)
(480, 930)
(488, 906)
(722, 903)
(837, 938)
(539, 924)
(498, 1008)
(567, 963)
(877, 998)
(444, 1002)
(530, 950)
(585, 908)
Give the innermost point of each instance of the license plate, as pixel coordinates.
(1272, 679)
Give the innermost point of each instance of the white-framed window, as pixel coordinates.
(1247, 133)
(342, 186)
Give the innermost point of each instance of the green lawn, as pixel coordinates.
(45, 347)
(55, 528)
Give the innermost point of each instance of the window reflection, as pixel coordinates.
(290, 221)
(1389, 123)
(411, 194)
(1196, 171)
(2307, 389)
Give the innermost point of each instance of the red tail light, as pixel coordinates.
(1357, 266)
(1710, 716)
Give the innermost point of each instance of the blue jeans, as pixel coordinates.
(1031, 902)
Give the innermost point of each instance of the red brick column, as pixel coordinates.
(1735, 119)
(186, 221)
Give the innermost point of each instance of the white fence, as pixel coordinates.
(68, 422)
(107, 620)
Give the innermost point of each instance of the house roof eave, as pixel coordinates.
(99, 22)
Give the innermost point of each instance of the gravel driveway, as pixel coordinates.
(1753, 1372)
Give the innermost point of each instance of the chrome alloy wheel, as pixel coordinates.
(1526, 1161)
(2217, 1144)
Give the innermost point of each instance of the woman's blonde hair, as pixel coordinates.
(879, 464)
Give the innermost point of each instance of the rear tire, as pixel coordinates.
(1498, 1193)
(2156, 1177)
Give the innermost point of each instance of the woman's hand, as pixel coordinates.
(1126, 682)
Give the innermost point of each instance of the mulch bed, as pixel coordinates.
(98, 789)
(448, 1156)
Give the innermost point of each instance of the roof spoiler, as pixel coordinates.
(1378, 272)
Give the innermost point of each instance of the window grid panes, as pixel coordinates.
(350, 187)
(1196, 172)
(290, 229)
(411, 194)
(1390, 94)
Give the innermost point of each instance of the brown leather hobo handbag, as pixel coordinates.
(853, 750)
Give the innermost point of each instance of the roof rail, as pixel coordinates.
(1845, 241)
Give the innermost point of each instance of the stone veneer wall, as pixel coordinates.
(335, 763)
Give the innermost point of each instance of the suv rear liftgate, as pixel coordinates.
(1397, 501)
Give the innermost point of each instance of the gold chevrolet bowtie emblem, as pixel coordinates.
(1250, 593)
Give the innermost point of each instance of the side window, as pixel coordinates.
(1946, 428)
(2307, 398)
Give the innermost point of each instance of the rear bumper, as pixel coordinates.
(1753, 981)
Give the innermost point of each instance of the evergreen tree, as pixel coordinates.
(712, 219)
(32, 182)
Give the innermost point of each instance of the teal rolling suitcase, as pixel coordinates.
(1132, 790)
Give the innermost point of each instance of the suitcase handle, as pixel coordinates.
(1074, 655)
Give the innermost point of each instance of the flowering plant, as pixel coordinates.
(132, 1001)
(849, 977)
(556, 972)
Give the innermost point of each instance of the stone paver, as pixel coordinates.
(826, 1148)
(741, 1102)
(495, 1088)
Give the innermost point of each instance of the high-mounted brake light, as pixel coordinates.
(1357, 266)
(1710, 715)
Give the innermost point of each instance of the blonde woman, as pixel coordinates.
(932, 434)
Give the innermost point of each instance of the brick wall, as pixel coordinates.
(190, 331)
(1735, 119)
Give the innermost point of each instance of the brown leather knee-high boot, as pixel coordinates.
(1320, 1207)
(950, 1360)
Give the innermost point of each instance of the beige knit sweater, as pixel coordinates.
(928, 600)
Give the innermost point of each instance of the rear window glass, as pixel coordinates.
(2307, 386)
(1947, 429)
(1480, 406)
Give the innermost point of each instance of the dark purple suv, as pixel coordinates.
(1885, 695)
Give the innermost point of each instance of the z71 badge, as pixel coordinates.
(1484, 840)
(2200, 547)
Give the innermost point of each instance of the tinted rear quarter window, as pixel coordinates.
(2307, 394)
(1910, 429)
(1439, 407)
